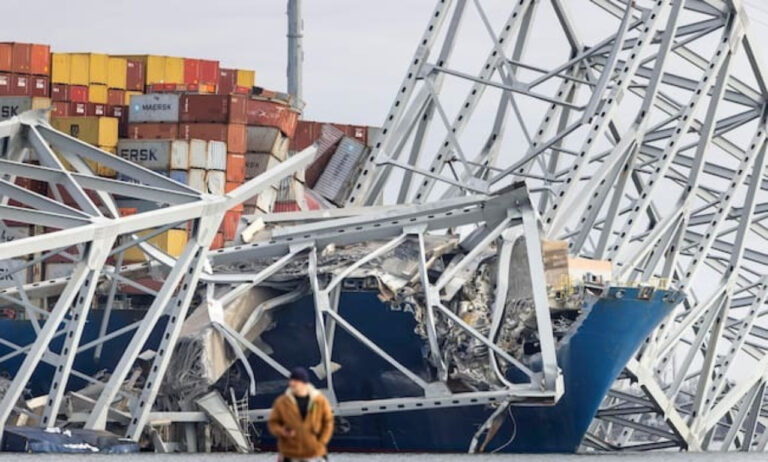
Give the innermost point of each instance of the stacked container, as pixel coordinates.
(24, 76)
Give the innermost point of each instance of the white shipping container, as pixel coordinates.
(58, 270)
(335, 179)
(198, 154)
(217, 155)
(9, 280)
(154, 107)
(216, 180)
(179, 155)
(267, 139)
(196, 179)
(257, 163)
(11, 233)
(156, 155)
(266, 200)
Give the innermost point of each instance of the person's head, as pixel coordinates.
(298, 382)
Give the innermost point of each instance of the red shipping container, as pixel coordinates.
(286, 206)
(232, 134)
(120, 112)
(230, 186)
(235, 167)
(39, 86)
(272, 114)
(20, 85)
(77, 108)
(212, 109)
(218, 241)
(192, 87)
(166, 88)
(303, 136)
(209, 72)
(115, 97)
(5, 84)
(61, 108)
(96, 110)
(40, 60)
(78, 93)
(59, 92)
(191, 71)
(22, 58)
(229, 225)
(156, 131)
(6, 57)
(134, 78)
(227, 81)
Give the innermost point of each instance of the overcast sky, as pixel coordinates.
(355, 50)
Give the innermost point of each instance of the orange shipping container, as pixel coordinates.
(229, 225)
(218, 241)
(232, 134)
(22, 58)
(191, 71)
(6, 57)
(40, 60)
(228, 188)
(235, 167)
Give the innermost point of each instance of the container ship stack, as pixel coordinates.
(192, 120)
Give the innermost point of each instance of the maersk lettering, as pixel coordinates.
(9, 111)
(156, 107)
(138, 155)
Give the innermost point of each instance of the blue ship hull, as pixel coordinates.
(600, 342)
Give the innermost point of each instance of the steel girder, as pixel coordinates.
(640, 128)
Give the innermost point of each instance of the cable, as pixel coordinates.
(514, 432)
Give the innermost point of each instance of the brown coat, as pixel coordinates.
(312, 433)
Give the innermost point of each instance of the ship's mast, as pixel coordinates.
(295, 51)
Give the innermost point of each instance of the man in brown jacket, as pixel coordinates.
(301, 420)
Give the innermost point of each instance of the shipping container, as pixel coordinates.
(227, 81)
(335, 179)
(117, 73)
(61, 109)
(98, 93)
(59, 92)
(171, 242)
(215, 182)
(327, 140)
(230, 224)
(78, 93)
(61, 65)
(98, 110)
(40, 60)
(212, 109)
(115, 97)
(56, 270)
(5, 85)
(174, 70)
(21, 85)
(232, 134)
(98, 131)
(257, 163)
(6, 57)
(209, 72)
(98, 68)
(196, 180)
(79, 69)
(235, 168)
(246, 78)
(191, 71)
(272, 114)
(155, 69)
(180, 176)
(120, 112)
(307, 132)
(163, 107)
(151, 131)
(218, 242)
(40, 86)
(22, 58)
(198, 154)
(11, 106)
(285, 206)
(217, 156)
(267, 139)
(228, 188)
(156, 155)
(77, 109)
(134, 77)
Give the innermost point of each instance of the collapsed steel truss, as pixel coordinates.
(640, 133)
(102, 237)
(641, 128)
